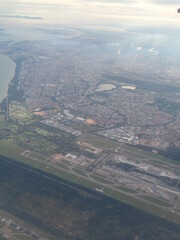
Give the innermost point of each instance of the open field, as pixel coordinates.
(20, 237)
(62, 165)
(26, 130)
(98, 142)
(156, 157)
(20, 115)
(2, 224)
(79, 171)
(100, 179)
(125, 189)
(158, 201)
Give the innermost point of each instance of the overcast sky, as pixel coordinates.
(123, 13)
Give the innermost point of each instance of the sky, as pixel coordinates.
(119, 13)
(149, 27)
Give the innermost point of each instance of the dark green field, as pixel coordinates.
(74, 213)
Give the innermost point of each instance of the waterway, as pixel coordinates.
(128, 87)
(105, 87)
(7, 71)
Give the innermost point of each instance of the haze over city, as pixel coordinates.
(89, 120)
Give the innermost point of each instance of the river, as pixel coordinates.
(7, 71)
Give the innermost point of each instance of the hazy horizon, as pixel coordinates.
(120, 14)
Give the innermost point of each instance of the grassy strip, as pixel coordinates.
(98, 142)
(59, 164)
(157, 201)
(23, 237)
(99, 179)
(2, 224)
(125, 189)
(79, 171)
(145, 154)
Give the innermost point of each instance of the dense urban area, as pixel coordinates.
(95, 119)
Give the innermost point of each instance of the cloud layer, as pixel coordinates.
(122, 13)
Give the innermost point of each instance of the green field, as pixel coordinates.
(2, 224)
(125, 189)
(98, 142)
(23, 237)
(147, 154)
(62, 165)
(79, 171)
(100, 179)
(157, 201)
(20, 115)
(27, 131)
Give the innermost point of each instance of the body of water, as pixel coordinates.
(105, 87)
(7, 71)
(128, 87)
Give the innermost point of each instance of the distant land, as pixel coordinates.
(21, 17)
